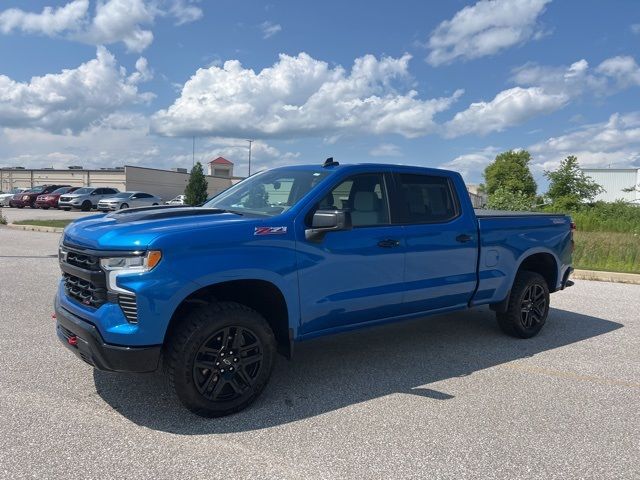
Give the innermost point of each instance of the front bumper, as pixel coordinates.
(46, 203)
(84, 340)
(22, 203)
(69, 204)
(105, 207)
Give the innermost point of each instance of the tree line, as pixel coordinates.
(510, 185)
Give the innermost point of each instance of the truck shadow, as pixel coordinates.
(336, 372)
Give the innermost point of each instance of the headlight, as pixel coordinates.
(141, 263)
(115, 266)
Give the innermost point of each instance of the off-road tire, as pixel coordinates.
(194, 332)
(515, 321)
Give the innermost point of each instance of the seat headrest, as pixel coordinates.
(365, 201)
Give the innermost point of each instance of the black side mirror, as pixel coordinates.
(325, 221)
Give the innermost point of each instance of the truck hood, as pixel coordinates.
(136, 228)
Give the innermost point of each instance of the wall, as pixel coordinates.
(613, 181)
(76, 178)
(168, 184)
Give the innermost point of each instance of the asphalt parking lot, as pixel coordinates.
(17, 214)
(444, 397)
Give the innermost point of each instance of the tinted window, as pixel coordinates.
(364, 196)
(427, 198)
(109, 190)
(144, 195)
(83, 191)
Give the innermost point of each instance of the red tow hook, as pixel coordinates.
(53, 315)
(73, 341)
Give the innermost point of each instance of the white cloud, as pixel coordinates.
(71, 100)
(114, 21)
(301, 96)
(269, 29)
(623, 69)
(615, 142)
(484, 29)
(386, 150)
(185, 11)
(543, 89)
(50, 21)
(471, 165)
(508, 108)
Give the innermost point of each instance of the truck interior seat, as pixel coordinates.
(366, 209)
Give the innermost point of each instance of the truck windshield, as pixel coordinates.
(267, 193)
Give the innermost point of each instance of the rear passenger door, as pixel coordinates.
(441, 242)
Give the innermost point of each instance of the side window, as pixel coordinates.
(98, 191)
(109, 190)
(364, 196)
(427, 198)
(144, 195)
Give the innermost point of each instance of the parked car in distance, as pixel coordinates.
(28, 198)
(291, 254)
(5, 198)
(50, 200)
(85, 198)
(128, 200)
(179, 200)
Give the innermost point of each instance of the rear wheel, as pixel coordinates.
(528, 306)
(86, 206)
(124, 205)
(220, 358)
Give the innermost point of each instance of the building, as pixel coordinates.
(614, 181)
(164, 183)
(477, 195)
(221, 167)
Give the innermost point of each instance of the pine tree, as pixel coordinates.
(196, 191)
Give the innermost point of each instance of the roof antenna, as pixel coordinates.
(330, 162)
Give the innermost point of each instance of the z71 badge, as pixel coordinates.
(270, 230)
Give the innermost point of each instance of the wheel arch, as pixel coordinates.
(261, 295)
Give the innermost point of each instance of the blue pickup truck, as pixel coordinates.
(212, 293)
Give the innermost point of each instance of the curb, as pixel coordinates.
(598, 276)
(35, 228)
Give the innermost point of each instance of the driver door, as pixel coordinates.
(351, 276)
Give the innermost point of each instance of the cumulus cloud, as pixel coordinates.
(71, 100)
(301, 96)
(114, 21)
(615, 142)
(484, 29)
(386, 150)
(471, 165)
(269, 29)
(51, 21)
(543, 89)
(508, 108)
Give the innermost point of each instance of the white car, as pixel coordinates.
(5, 197)
(179, 200)
(128, 200)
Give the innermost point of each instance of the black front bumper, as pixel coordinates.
(83, 339)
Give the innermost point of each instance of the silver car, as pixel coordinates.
(85, 198)
(6, 197)
(179, 200)
(128, 200)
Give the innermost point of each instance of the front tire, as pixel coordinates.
(528, 306)
(86, 206)
(220, 357)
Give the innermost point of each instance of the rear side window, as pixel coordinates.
(427, 199)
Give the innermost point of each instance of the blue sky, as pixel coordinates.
(114, 82)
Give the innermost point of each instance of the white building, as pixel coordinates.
(614, 181)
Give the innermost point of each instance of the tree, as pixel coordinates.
(569, 186)
(510, 172)
(196, 191)
(503, 199)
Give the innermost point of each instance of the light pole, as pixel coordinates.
(193, 153)
(250, 142)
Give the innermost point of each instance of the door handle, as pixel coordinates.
(463, 238)
(388, 243)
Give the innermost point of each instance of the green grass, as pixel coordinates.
(609, 251)
(45, 223)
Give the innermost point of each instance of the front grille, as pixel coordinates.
(129, 307)
(65, 199)
(84, 291)
(88, 262)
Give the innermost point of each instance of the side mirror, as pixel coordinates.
(325, 221)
